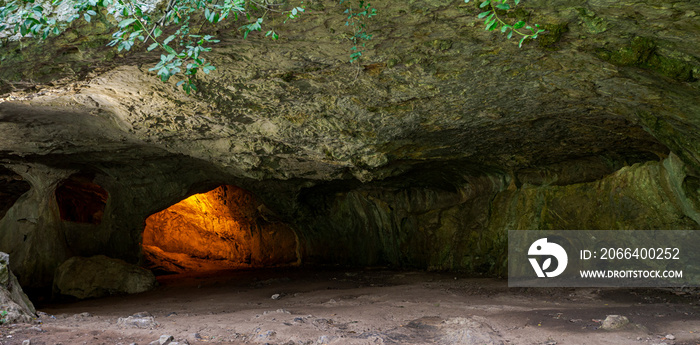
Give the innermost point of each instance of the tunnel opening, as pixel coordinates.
(225, 228)
(80, 200)
(12, 186)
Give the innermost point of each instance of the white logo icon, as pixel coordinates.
(542, 247)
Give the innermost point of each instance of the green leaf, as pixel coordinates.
(91, 12)
(492, 26)
(168, 39)
(517, 2)
(505, 28)
(152, 46)
(519, 25)
(510, 34)
(169, 49)
(126, 22)
(503, 6)
(157, 32)
(87, 17)
(483, 14)
(485, 3)
(520, 45)
(466, 1)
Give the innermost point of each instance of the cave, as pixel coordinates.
(217, 230)
(294, 196)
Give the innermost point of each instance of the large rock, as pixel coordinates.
(100, 276)
(13, 301)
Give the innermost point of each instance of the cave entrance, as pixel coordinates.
(225, 228)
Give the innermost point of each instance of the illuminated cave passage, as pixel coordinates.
(81, 200)
(221, 229)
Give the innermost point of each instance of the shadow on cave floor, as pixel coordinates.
(367, 306)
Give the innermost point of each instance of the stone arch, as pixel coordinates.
(225, 228)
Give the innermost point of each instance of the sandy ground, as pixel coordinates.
(371, 306)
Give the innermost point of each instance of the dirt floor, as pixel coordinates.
(371, 306)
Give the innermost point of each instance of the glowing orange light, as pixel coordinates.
(218, 229)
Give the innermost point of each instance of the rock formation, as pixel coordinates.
(100, 276)
(422, 155)
(15, 306)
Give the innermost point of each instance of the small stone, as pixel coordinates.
(196, 336)
(276, 296)
(27, 342)
(670, 337)
(613, 322)
(165, 339)
(138, 322)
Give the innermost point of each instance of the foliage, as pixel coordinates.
(183, 49)
(494, 22)
(3, 315)
(356, 20)
(176, 27)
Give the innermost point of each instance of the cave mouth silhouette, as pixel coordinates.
(218, 230)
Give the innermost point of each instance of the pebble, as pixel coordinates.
(138, 322)
(27, 342)
(670, 337)
(276, 296)
(165, 339)
(613, 322)
(196, 336)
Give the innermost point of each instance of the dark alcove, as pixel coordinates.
(81, 200)
(12, 186)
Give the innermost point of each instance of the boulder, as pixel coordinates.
(15, 306)
(100, 276)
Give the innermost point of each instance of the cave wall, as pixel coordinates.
(462, 225)
(643, 196)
